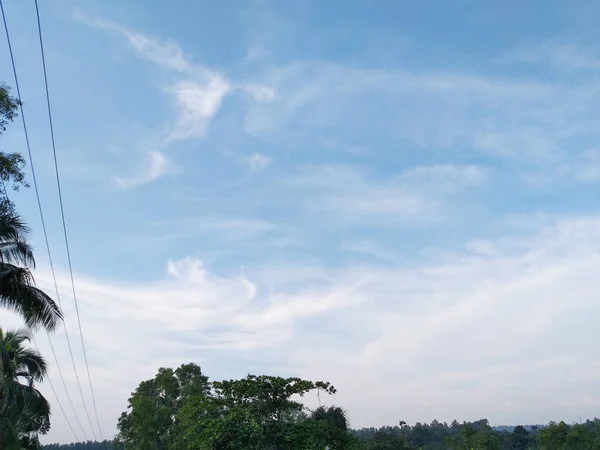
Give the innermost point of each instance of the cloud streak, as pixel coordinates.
(197, 95)
(413, 195)
(156, 166)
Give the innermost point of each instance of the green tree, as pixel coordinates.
(17, 287)
(260, 412)
(554, 436)
(475, 436)
(520, 438)
(11, 164)
(150, 421)
(24, 412)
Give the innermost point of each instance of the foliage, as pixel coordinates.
(24, 412)
(258, 412)
(180, 409)
(480, 436)
(11, 164)
(17, 288)
(150, 421)
(8, 107)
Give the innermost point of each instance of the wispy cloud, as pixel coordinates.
(529, 121)
(165, 53)
(258, 92)
(156, 166)
(198, 103)
(413, 195)
(257, 161)
(198, 94)
(254, 162)
(222, 230)
(371, 248)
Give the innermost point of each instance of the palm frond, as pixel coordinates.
(15, 338)
(17, 251)
(12, 228)
(33, 364)
(18, 293)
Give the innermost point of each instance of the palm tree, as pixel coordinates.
(17, 286)
(24, 412)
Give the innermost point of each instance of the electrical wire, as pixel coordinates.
(62, 213)
(39, 203)
(57, 364)
(47, 378)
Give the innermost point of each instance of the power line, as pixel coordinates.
(39, 203)
(65, 386)
(54, 392)
(55, 359)
(62, 213)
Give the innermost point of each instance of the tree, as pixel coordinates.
(17, 287)
(8, 107)
(475, 436)
(329, 426)
(11, 164)
(554, 436)
(259, 412)
(150, 422)
(387, 440)
(24, 412)
(520, 439)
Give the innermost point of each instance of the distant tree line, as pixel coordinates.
(104, 445)
(480, 435)
(434, 436)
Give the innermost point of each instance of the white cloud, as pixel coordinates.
(198, 103)
(495, 332)
(257, 161)
(164, 53)
(155, 167)
(200, 92)
(254, 162)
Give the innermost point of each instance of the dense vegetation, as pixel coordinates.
(180, 409)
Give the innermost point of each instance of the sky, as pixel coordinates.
(400, 198)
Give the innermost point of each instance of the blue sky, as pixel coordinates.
(398, 197)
